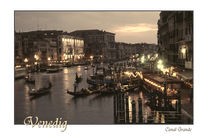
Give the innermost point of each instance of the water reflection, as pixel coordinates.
(94, 109)
(58, 103)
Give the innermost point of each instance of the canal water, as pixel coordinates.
(93, 109)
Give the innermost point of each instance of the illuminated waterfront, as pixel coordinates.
(93, 109)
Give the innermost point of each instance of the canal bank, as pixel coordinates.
(93, 109)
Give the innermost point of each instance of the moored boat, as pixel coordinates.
(20, 73)
(40, 91)
(52, 70)
(84, 92)
(80, 93)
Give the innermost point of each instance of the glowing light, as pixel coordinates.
(174, 74)
(161, 88)
(160, 66)
(142, 59)
(18, 66)
(36, 57)
(183, 50)
(27, 65)
(65, 56)
(162, 119)
(160, 61)
(91, 57)
(49, 59)
(25, 60)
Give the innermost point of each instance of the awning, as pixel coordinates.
(186, 75)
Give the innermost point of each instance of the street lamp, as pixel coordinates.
(183, 51)
(148, 56)
(25, 60)
(142, 59)
(36, 57)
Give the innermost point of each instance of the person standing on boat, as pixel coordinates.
(76, 76)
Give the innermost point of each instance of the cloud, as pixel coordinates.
(129, 26)
(135, 28)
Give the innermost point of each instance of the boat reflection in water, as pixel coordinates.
(92, 109)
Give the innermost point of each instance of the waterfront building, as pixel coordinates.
(127, 50)
(45, 50)
(175, 37)
(47, 46)
(18, 49)
(71, 49)
(98, 43)
(40, 45)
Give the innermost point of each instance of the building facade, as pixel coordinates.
(175, 37)
(71, 49)
(98, 43)
(47, 46)
(127, 50)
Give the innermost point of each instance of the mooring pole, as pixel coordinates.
(179, 101)
(140, 110)
(133, 111)
(127, 109)
(122, 109)
(165, 96)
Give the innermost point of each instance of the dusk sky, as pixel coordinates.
(130, 27)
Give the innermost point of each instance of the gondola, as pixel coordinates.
(81, 93)
(84, 92)
(91, 82)
(40, 91)
(52, 70)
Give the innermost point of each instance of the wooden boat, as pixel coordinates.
(40, 91)
(53, 69)
(90, 81)
(83, 92)
(96, 79)
(20, 73)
